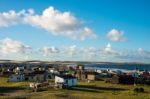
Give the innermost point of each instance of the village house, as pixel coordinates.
(18, 70)
(122, 79)
(144, 78)
(145, 74)
(49, 76)
(36, 76)
(6, 73)
(53, 71)
(133, 74)
(16, 77)
(91, 75)
(83, 74)
(80, 72)
(39, 76)
(87, 75)
(115, 79)
(65, 80)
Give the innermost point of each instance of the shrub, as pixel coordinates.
(141, 89)
(138, 90)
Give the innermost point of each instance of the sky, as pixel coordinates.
(75, 30)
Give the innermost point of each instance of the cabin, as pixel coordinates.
(87, 75)
(91, 75)
(83, 74)
(65, 80)
(36, 76)
(6, 73)
(16, 77)
(123, 79)
(133, 74)
(115, 79)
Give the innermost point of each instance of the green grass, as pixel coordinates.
(84, 90)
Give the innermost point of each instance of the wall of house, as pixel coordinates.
(49, 76)
(37, 78)
(59, 80)
(75, 82)
(80, 75)
(69, 82)
(15, 78)
(90, 77)
(31, 78)
(97, 77)
(115, 80)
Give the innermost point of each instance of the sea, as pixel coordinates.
(116, 66)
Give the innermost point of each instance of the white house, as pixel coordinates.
(66, 80)
(16, 77)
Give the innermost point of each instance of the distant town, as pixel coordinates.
(41, 75)
(67, 74)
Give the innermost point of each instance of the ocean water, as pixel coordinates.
(119, 66)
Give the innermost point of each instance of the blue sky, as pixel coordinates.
(99, 30)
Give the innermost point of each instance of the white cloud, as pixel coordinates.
(9, 18)
(116, 35)
(90, 52)
(50, 50)
(87, 32)
(8, 46)
(60, 23)
(51, 20)
(90, 49)
(108, 50)
(72, 50)
(143, 53)
(12, 17)
(106, 53)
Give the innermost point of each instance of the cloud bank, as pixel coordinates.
(51, 20)
(9, 46)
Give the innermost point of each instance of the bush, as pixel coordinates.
(141, 89)
(138, 90)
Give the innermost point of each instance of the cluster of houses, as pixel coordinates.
(60, 74)
(132, 77)
(67, 76)
(37, 73)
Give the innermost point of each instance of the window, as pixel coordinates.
(66, 81)
(18, 78)
(49, 77)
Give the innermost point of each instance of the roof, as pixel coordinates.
(39, 72)
(91, 73)
(35, 73)
(66, 76)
